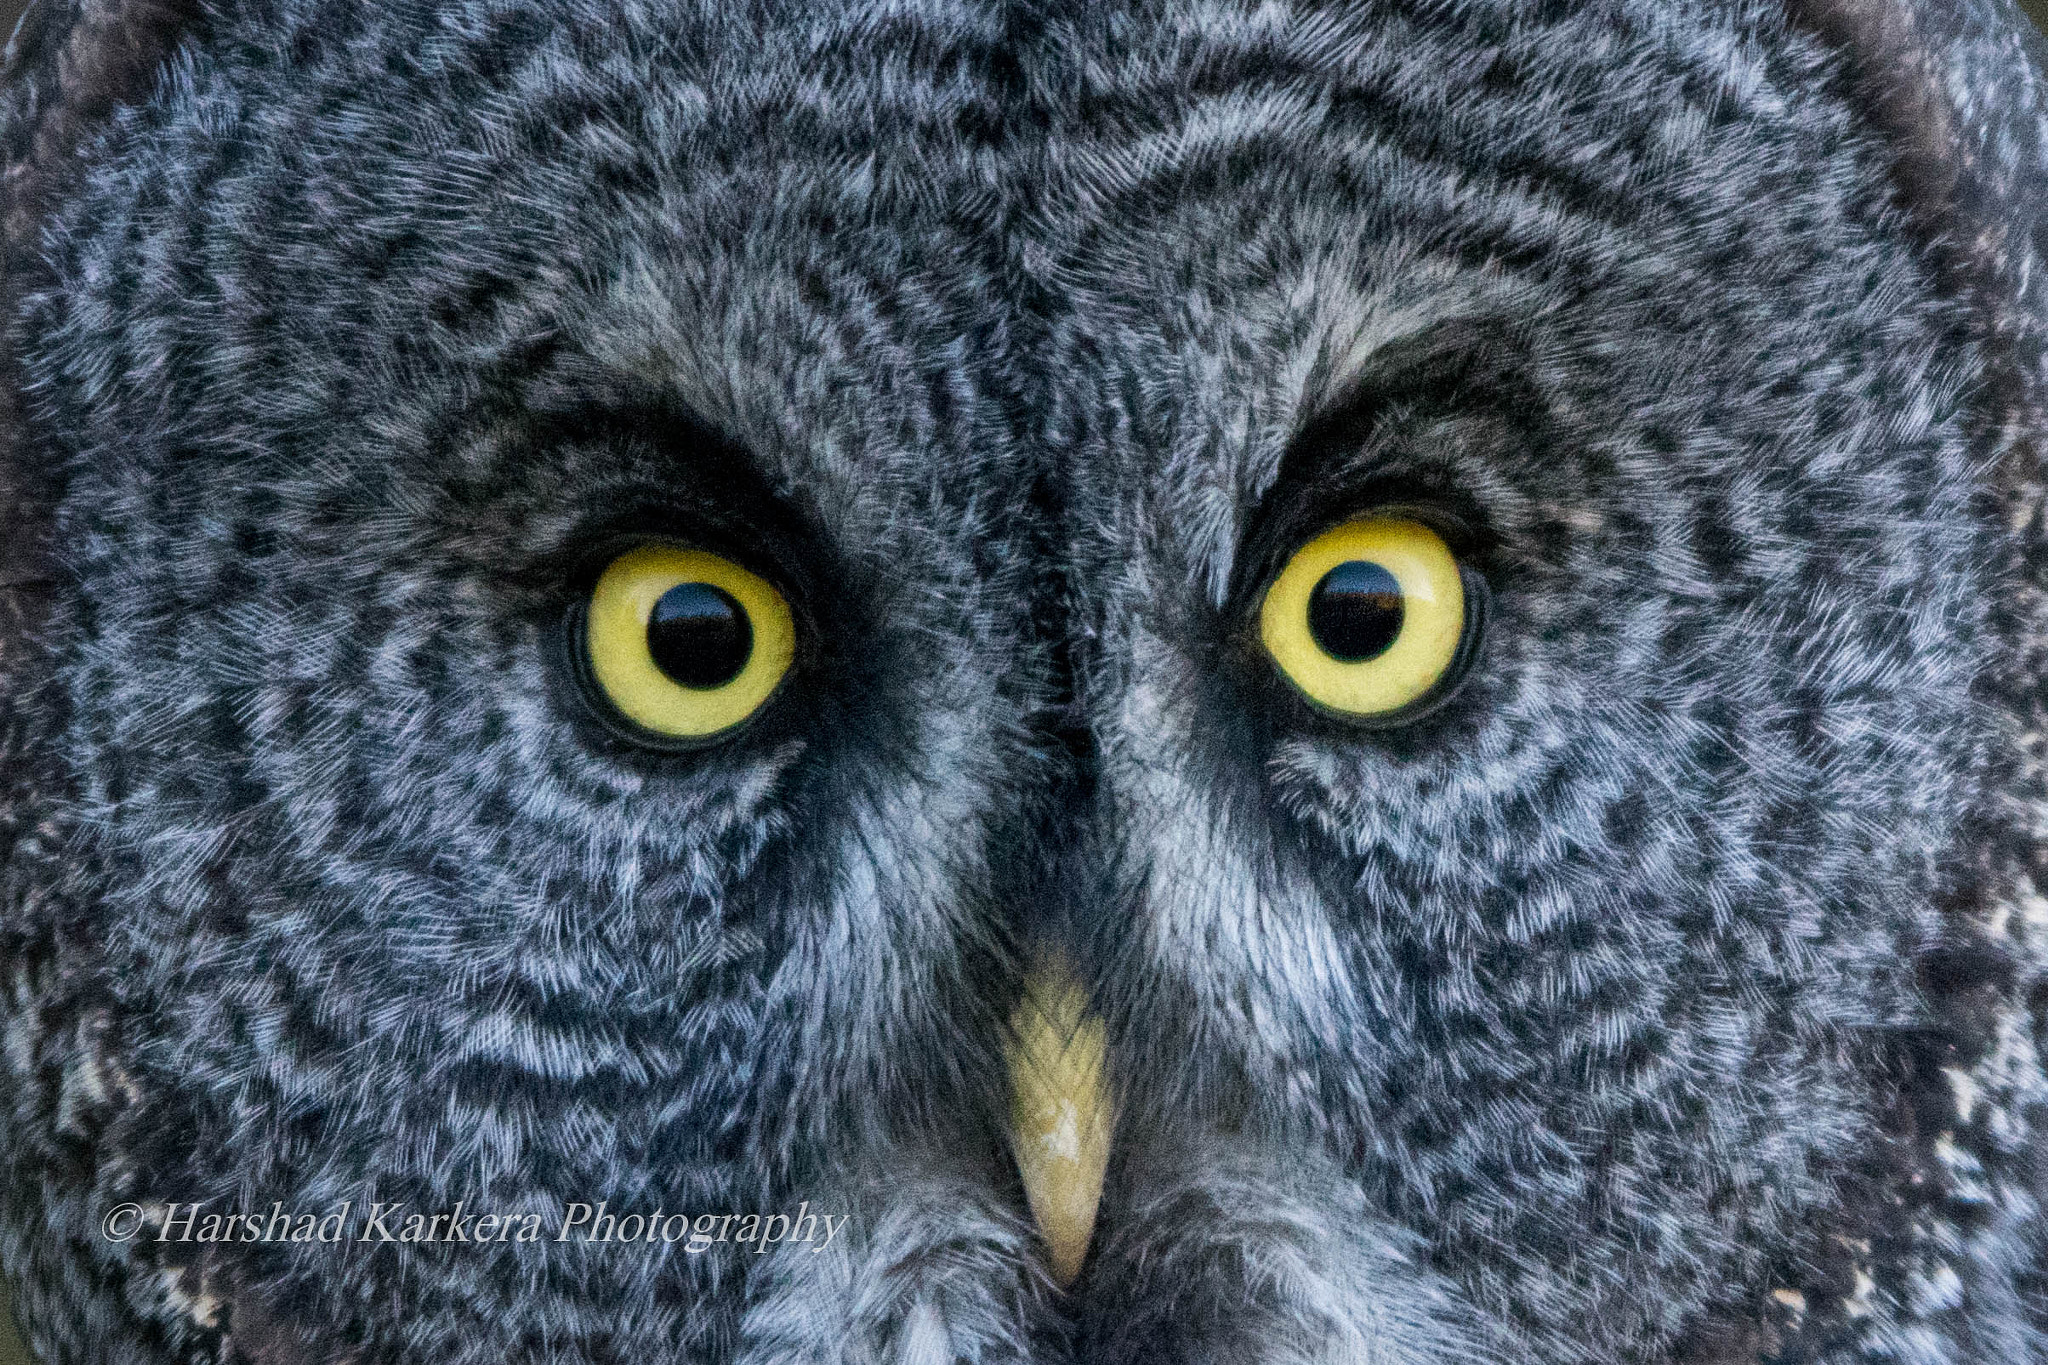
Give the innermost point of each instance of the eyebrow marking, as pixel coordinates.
(1360, 336)
(1432, 298)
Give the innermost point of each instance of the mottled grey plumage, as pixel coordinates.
(1600, 981)
(367, 913)
(1670, 996)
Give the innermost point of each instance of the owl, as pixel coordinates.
(1009, 682)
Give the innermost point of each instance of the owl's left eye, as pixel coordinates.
(683, 643)
(1371, 618)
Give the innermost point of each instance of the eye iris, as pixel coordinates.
(699, 635)
(683, 644)
(1355, 611)
(1368, 618)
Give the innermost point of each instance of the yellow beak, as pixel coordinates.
(1060, 1111)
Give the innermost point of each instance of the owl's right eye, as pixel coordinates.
(685, 644)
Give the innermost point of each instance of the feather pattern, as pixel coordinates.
(1670, 994)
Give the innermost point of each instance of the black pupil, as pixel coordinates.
(1355, 612)
(699, 636)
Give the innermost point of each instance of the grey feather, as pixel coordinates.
(1669, 994)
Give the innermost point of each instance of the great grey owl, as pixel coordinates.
(669, 663)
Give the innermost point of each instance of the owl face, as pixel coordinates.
(628, 571)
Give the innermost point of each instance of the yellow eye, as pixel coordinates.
(1367, 617)
(686, 644)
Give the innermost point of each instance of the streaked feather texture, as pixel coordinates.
(1668, 996)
